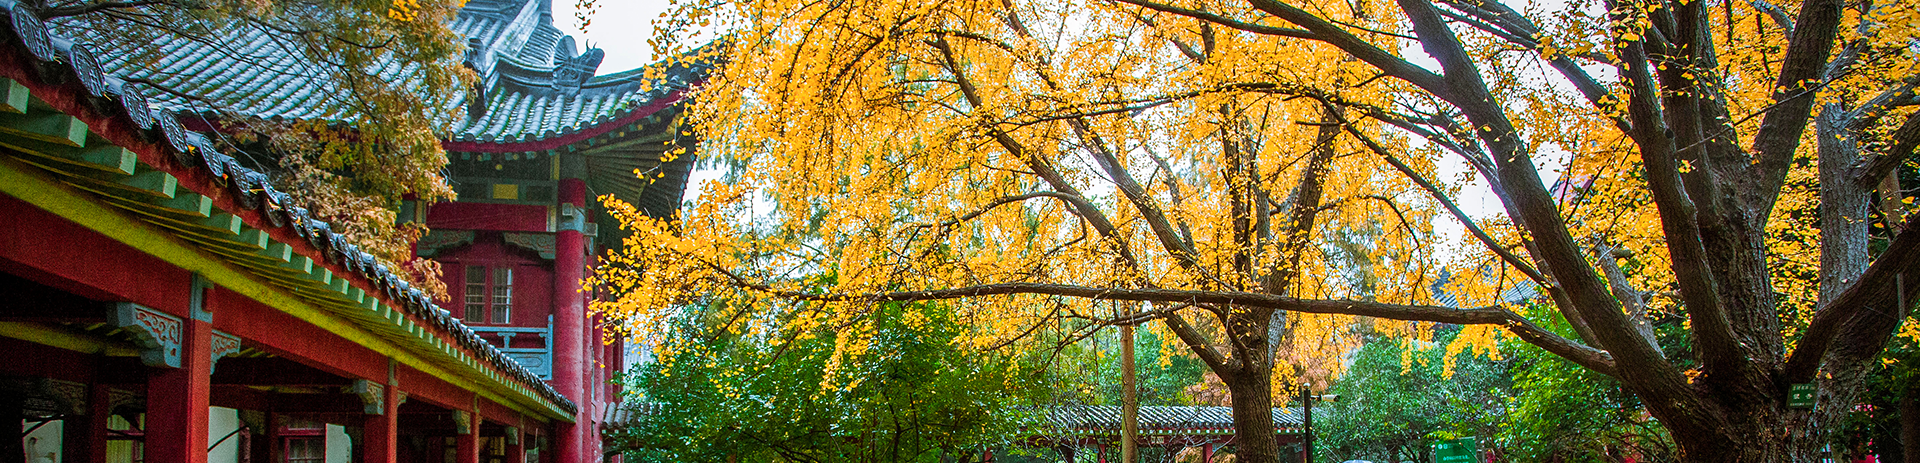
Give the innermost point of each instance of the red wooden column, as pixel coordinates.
(94, 433)
(380, 429)
(177, 397)
(516, 445)
(466, 441)
(266, 448)
(569, 313)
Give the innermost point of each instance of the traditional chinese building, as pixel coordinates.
(164, 303)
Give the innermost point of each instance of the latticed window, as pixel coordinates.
(306, 449)
(489, 293)
(502, 294)
(304, 441)
(476, 294)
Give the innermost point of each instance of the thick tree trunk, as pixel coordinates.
(1254, 440)
(1774, 433)
(1910, 425)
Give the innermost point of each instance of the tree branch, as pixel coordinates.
(1779, 133)
(1869, 309)
(1222, 20)
(1905, 139)
(1585, 356)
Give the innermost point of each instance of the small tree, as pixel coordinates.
(891, 387)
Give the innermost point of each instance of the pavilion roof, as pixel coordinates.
(65, 71)
(534, 84)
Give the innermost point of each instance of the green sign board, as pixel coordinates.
(1456, 451)
(1800, 396)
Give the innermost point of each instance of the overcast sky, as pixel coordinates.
(620, 27)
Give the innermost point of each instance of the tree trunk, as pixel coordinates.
(1772, 434)
(1910, 426)
(1252, 393)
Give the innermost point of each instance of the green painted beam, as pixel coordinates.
(227, 224)
(13, 96)
(98, 156)
(253, 238)
(339, 288)
(277, 251)
(299, 264)
(320, 274)
(36, 187)
(189, 204)
(152, 183)
(51, 127)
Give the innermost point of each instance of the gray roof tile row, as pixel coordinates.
(151, 114)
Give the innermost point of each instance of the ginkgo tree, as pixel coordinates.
(1057, 165)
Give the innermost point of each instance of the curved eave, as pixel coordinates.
(563, 140)
(330, 280)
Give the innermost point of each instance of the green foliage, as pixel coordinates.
(1397, 400)
(899, 390)
(1162, 377)
(1560, 412)
(1874, 426)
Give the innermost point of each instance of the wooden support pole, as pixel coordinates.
(266, 448)
(380, 433)
(516, 445)
(93, 449)
(177, 399)
(570, 440)
(1129, 401)
(467, 440)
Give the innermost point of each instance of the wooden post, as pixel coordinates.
(516, 445)
(380, 433)
(1306, 421)
(1206, 453)
(267, 448)
(466, 439)
(177, 399)
(1129, 401)
(93, 446)
(569, 315)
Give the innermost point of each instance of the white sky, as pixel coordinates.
(620, 27)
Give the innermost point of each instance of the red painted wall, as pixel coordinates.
(487, 216)
(53, 251)
(532, 277)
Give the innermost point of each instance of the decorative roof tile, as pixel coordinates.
(194, 152)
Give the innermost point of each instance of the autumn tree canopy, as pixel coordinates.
(1258, 178)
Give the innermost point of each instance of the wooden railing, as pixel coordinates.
(539, 360)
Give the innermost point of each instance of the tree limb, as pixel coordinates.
(1222, 20)
(1888, 288)
(1585, 356)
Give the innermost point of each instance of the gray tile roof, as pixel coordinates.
(526, 105)
(56, 55)
(517, 51)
